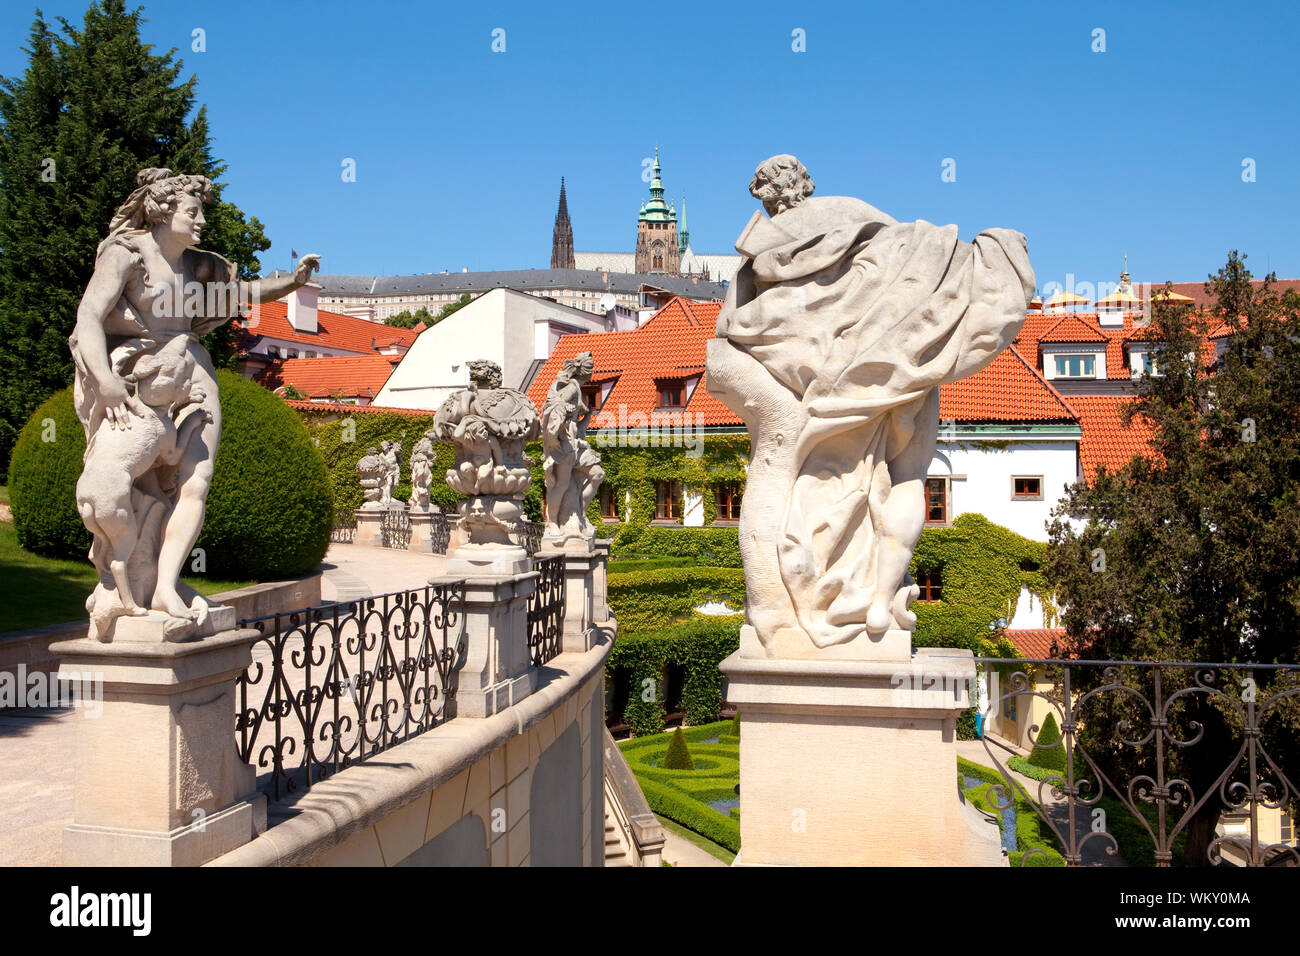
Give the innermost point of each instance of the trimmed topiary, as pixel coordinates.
(678, 756)
(1051, 758)
(43, 475)
(735, 725)
(269, 511)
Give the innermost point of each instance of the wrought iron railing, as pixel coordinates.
(439, 533)
(1169, 746)
(546, 610)
(395, 527)
(332, 685)
(528, 535)
(345, 526)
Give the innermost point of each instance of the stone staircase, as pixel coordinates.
(633, 837)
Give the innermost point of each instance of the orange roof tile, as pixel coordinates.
(1035, 643)
(271, 320)
(1009, 389)
(1072, 328)
(1105, 440)
(670, 345)
(353, 376)
(344, 408)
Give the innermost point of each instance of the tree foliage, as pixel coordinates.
(1192, 552)
(95, 105)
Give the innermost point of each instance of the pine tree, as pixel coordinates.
(94, 106)
(1200, 540)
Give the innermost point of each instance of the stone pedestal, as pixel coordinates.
(158, 782)
(585, 605)
(498, 671)
(853, 763)
(370, 527)
(422, 531)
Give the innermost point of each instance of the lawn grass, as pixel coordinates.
(690, 836)
(39, 591)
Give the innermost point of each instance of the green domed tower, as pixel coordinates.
(657, 248)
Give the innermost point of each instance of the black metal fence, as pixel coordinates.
(395, 527)
(332, 685)
(345, 526)
(528, 534)
(546, 610)
(1170, 754)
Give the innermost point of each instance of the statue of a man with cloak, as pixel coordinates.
(836, 334)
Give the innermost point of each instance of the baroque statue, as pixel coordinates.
(422, 456)
(835, 336)
(145, 391)
(392, 473)
(489, 426)
(571, 465)
(373, 472)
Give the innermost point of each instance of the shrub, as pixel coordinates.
(648, 600)
(710, 547)
(269, 511)
(735, 725)
(1045, 755)
(698, 646)
(678, 756)
(43, 477)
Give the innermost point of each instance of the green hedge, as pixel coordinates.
(698, 646)
(43, 475)
(647, 600)
(269, 511)
(717, 547)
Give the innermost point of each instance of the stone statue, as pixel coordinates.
(422, 474)
(373, 470)
(836, 334)
(146, 393)
(572, 466)
(489, 426)
(392, 473)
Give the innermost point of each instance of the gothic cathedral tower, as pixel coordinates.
(562, 237)
(656, 231)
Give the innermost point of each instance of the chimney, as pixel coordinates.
(302, 308)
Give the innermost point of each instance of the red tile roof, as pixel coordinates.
(1072, 328)
(1009, 389)
(335, 331)
(1196, 290)
(1105, 440)
(346, 409)
(353, 376)
(1035, 643)
(670, 345)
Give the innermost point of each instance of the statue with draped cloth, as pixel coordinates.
(835, 336)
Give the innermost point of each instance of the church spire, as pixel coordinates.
(684, 234)
(562, 236)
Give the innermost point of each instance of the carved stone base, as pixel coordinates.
(498, 671)
(370, 526)
(156, 627)
(421, 539)
(158, 782)
(854, 763)
(470, 560)
(894, 645)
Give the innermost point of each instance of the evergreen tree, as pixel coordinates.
(1192, 552)
(95, 105)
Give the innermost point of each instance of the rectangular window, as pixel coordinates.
(1076, 366)
(727, 499)
(609, 504)
(1288, 830)
(1150, 365)
(936, 501)
(671, 394)
(591, 397)
(668, 500)
(931, 584)
(1027, 488)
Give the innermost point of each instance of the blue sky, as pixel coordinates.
(459, 150)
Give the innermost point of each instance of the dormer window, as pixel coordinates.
(672, 393)
(591, 397)
(1076, 366)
